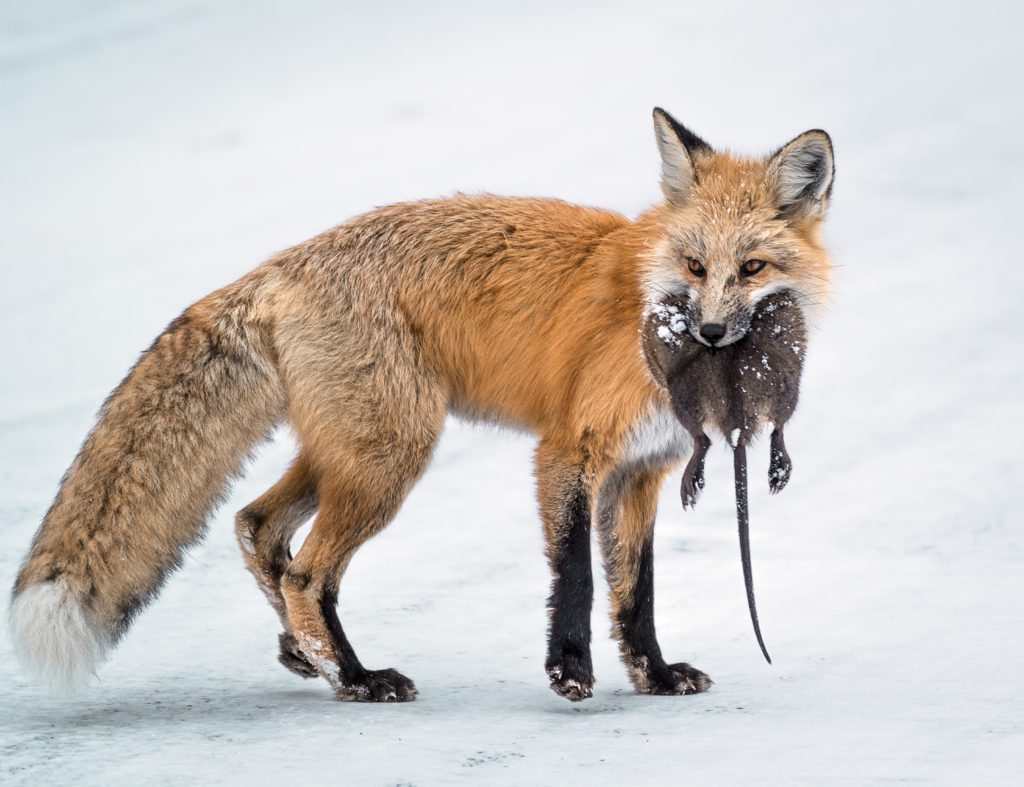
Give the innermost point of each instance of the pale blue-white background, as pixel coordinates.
(150, 152)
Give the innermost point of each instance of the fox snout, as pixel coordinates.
(712, 332)
(719, 327)
(714, 324)
(720, 332)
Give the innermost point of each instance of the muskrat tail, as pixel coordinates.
(739, 460)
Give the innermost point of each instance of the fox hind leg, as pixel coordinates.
(353, 508)
(265, 528)
(369, 435)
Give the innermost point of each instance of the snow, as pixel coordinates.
(667, 335)
(154, 151)
(675, 328)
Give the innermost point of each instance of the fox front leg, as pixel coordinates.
(565, 509)
(628, 502)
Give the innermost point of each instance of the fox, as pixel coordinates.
(524, 312)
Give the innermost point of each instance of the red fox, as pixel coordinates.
(525, 312)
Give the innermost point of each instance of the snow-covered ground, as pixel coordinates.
(150, 152)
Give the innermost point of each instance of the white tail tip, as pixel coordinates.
(57, 641)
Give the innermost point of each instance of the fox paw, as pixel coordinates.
(572, 677)
(292, 657)
(664, 678)
(384, 685)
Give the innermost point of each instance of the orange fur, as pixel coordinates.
(525, 312)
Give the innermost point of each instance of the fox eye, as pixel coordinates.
(696, 267)
(750, 267)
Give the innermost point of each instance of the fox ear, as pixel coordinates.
(801, 174)
(678, 146)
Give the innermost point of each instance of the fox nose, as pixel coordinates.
(712, 332)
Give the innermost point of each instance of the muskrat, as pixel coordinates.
(735, 390)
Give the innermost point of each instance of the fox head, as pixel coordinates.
(732, 230)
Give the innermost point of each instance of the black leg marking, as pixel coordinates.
(568, 663)
(355, 682)
(647, 668)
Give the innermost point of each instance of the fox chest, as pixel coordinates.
(655, 438)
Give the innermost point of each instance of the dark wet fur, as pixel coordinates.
(738, 389)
